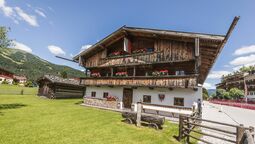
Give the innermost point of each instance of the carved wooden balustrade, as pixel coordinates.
(149, 81)
(143, 58)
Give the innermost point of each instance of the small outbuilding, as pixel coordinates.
(55, 87)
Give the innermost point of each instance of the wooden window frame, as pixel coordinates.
(105, 93)
(149, 96)
(93, 94)
(177, 101)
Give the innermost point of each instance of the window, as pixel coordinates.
(93, 94)
(105, 95)
(179, 101)
(147, 99)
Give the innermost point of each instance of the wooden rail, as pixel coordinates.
(182, 82)
(143, 58)
(188, 123)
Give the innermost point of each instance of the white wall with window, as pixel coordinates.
(165, 96)
(159, 96)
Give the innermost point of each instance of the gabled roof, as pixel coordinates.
(7, 71)
(59, 80)
(124, 30)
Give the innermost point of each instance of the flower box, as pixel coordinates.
(121, 74)
(96, 74)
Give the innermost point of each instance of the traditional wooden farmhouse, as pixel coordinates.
(161, 68)
(55, 87)
(241, 80)
(6, 75)
(20, 79)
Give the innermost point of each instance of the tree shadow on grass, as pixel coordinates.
(11, 106)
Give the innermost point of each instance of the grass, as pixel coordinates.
(27, 119)
(6, 89)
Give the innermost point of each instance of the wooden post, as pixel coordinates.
(239, 133)
(180, 127)
(139, 114)
(252, 131)
(134, 72)
(188, 126)
(111, 72)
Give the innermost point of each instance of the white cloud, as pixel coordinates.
(21, 46)
(208, 86)
(30, 19)
(85, 47)
(56, 50)
(17, 14)
(217, 74)
(8, 11)
(245, 50)
(244, 60)
(40, 13)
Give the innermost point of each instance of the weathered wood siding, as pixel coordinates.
(164, 51)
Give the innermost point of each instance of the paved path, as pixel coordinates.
(230, 115)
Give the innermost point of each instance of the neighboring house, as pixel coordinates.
(6, 75)
(241, 80)
(158, 67)
(20, 79)
(55, 87)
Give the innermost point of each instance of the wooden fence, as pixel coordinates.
(187, 124)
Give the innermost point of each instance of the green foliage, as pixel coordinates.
(63, 74)
(236, 93)
(5, 42)
(5, 82)
(205, 94)
(226, 95)
(214, 96)
(219, 93)
(29, 84)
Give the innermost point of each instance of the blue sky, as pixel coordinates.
(56, 27)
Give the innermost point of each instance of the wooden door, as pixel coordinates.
(127, 97)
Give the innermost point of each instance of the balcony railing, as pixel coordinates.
(148, 81)
(142, 58)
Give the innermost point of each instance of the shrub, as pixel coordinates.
(219, 93)
(5, 82)
(236, 93)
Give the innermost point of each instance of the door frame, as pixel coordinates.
(131, 91)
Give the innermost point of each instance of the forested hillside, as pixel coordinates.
(23, 63)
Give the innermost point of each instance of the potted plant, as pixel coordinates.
(121, 74)
(96, 74)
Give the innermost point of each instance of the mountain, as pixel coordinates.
(22, 63)
(211, 91)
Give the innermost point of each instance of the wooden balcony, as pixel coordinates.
(148, 81)
(142, 58)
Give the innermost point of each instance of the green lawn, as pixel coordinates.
(28, 119)
(6, 89)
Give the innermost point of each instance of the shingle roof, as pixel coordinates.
(56, 79)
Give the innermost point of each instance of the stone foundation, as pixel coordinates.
(101, 103)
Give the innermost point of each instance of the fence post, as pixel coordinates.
(252, 131)
(239, 133)
(180, 127)
(188, 126)
(139, 113)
